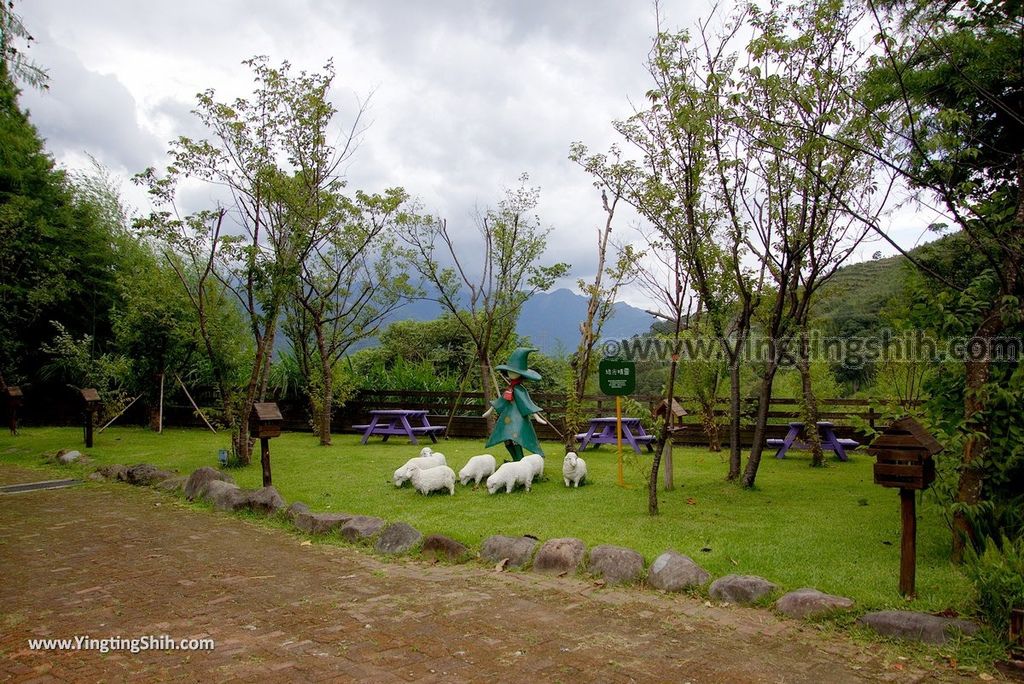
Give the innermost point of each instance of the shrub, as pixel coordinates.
(998, 576)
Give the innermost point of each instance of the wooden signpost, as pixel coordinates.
(14, 398)
(265, 422)
(92, 404)
(903, 454)
(618, 379)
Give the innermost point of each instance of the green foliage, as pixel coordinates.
(998, 576)
(59, 249)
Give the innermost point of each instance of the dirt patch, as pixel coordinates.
(107, 560)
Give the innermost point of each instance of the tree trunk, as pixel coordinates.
(652, 484)
(735, 453)
(971, 476)
(810, 403)
(485, 386)
(710, 425)
(326, 408)
(760, 426)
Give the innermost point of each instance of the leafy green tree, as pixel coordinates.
(486, 296)
(945, 92)
(274, 153)
(349, 282)
(58, 251)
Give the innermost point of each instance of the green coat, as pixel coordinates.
(514, 421)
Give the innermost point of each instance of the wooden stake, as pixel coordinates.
(89, 413)
(265, 460)
(908, 542)
(618, 437)
(193, 402)
(160, 421)
(121, 413)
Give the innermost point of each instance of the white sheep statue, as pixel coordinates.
(574, 469)
(536, 462)
(436, 479)
(478, 468)
(509, 475)
(403, 474)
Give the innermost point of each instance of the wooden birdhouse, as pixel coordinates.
(91, 398)
(14, 395)
(675, 421)
(904, 453)
(265, 420)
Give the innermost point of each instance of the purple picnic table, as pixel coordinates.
(829, 440)
(388, 422)
(602, 431)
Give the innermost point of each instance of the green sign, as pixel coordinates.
(616, 378)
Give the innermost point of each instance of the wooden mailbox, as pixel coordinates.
(904, 453)
(675, 421)
(14, 399)
(92, 404)
(265, 421)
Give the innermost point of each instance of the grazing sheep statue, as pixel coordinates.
(574, 469)
(509, 475)
(436, 479)
(536, 462)
(403, 474)
(478, 468)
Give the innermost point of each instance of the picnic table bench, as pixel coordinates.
(388, 422)
(829, 440)
(602, 431)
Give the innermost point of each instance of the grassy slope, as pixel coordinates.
(801, 527)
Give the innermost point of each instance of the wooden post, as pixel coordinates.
(160, 422)
(265, 460)
(1016, 632)
(89, 413)
(908, 542)
(618, 437)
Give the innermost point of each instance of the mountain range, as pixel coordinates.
(550, 320)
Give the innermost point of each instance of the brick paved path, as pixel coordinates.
(111, 560)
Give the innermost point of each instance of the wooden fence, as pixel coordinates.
(462, 413)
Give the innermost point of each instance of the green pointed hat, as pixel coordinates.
(518, 362)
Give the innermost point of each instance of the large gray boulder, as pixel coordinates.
(398, 537)
(226, 496)
(672, 571)
(320, 523)
(440, 547)
(740, 588)
(807, 602)
(361, 527)
(197, 481)
(911, 626)
(616, 564)
(518, 550)
(295, 510)
(266, 500)
(145, 475)
(559, 556)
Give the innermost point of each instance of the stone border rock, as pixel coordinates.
(670, 571)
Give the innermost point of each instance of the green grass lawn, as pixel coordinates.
(829, 528)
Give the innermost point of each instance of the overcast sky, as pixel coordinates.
(466, 95)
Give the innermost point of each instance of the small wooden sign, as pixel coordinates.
(90, 396)
(265, 421)
(904, 453)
